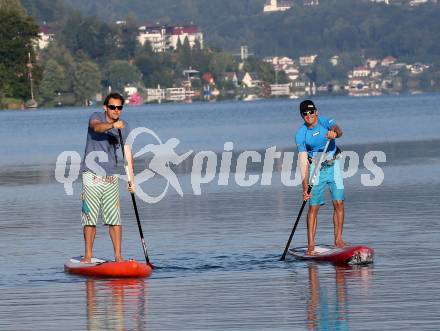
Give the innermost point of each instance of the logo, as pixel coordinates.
(248, 168)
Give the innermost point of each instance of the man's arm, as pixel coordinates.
(334, 132)
(304, 167)
(129, 167)
(100, 127)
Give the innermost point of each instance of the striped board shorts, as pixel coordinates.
(100, 194)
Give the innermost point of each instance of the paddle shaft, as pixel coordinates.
(309, 189)
(133, 199)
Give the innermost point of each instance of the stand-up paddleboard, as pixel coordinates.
(345, 255)
(104, 268)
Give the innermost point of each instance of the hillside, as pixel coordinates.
(333, 27)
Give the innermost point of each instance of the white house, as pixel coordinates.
(389, 60)
(275, 5)
(250, 79)
(307, 60)
(44, 38)
(164, 37)
(156, 36)
(360, 72)
(292, 72)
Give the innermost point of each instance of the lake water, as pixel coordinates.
(217, 254)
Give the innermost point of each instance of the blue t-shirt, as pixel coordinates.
(107, 142)
(313, 140)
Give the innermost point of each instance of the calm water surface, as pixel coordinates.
(217, 253)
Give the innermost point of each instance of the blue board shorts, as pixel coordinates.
(330, 176)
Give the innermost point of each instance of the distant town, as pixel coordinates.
(80, 59)
(374, 77)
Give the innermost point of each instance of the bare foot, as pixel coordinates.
(119, 259)
(340, 244)
(311, 251)
(86, 260)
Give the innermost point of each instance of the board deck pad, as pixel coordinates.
(345, 255)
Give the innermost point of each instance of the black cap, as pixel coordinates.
(306, 105)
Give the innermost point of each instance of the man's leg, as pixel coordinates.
(338, 222)
(89, 213)
(312, 222)
(89, 238)
(111, 215)
(115, 232)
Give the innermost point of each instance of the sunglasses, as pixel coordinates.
(310, 112)
(113, 107)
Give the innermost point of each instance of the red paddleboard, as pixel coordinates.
(345, 255)
(104, 268)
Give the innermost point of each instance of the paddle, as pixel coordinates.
(309, 189)
(130, 181)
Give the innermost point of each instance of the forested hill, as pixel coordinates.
(333, 27)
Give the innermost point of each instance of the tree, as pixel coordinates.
(96, 39)
(12, 5)
(119, 73)
(184, 54)
(53, 80)
(128, 33)
(87, 78)
(220, 63)
(17, 32)
(45, 10)
(62, 56)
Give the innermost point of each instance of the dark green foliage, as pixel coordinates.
(333, 27)
(119, 73)
(17, 30)
(45, 10)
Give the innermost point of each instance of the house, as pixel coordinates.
(155, 35)
(180, 33)
(130, 90)
(279, 62)
(307, 60)
(417, 68)
(372, 63)
(250, 79)
(292, 72)
(360, 72)
(277, 5)
(45, 37)
(389, 60)
(231, 77)
(334, 60)
(163, 38)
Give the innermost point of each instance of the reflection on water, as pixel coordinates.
(117, 304)
(328, 307)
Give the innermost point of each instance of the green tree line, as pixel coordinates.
(335, 26)
(89, 56)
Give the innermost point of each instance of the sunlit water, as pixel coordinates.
(217, 254)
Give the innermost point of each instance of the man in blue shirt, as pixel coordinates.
(311, 139)
(100, 184)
